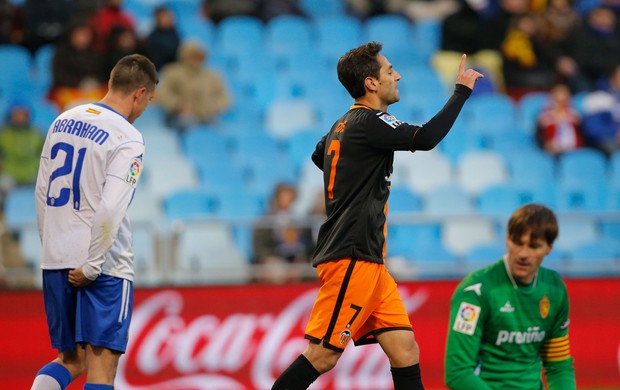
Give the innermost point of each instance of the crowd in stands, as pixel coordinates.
(245, 70)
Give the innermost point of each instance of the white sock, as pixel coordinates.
(45, 382)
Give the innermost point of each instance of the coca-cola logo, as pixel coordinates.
(170, 349)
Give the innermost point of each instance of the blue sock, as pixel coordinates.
(94, 386)
(58, 372)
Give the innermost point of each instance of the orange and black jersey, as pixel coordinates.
(356, 158)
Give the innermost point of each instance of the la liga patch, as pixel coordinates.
(390, 120)
(466, 318)
(133, 174)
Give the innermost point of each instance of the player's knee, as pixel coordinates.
(74, 361)
(321, 358)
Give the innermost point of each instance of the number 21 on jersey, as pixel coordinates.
(66, 168)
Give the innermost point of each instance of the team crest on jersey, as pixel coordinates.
(544, 305)
(134, 172)
(390, 120)
(345, 336)
(466, 318)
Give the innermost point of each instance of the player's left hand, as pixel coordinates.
(467, 77)
(77, 278)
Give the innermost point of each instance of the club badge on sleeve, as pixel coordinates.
(466, 318)
(133, 174)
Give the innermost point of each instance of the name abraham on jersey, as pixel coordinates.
(81, 129)
(532, 335)
(389, 119)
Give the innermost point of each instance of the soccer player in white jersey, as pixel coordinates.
(90, 165)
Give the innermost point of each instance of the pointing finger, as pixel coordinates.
(462, 64)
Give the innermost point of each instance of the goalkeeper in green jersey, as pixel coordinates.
(509, 320)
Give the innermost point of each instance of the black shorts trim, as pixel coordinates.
(314, 340)
(339, 300)
(371, 337)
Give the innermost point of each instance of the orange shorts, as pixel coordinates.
(357, 300)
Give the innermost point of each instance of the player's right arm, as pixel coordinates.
(467, 317)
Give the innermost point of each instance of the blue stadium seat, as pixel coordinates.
(575, 232)
(459, 235)
(338, 34)
(289, 35)
(511, 142)
(406, 237)
(199, 29)
(486, 253)
(575, 197)
(614, 168)
(402, 200)
(240, 204)
(241, 34)
(428, 36)
(286, 117)
(300, 147)
(448, 199)
(206, 144)
(318, 9)
(530, 168)
(417, 80)
(19, 208)
(218, 178)
(207, 254)
(490, 113)
(582, 167)
(530, 105)
(477, 170)
(500, 200)
(596, 258)
(43, 114)
(461, 140)
(187, 205)
(394, 31)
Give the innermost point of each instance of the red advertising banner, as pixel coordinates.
(242, 337)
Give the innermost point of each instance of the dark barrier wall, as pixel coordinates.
(242, 337)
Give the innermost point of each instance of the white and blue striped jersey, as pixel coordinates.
(90, 165)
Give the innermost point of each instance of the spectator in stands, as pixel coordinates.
(11, 23)
(76, 68)
(555, 25)
(44, 22)
(273, 8)
(558, 127)
(511, 318)
(282, 244)
(497, 24)
(20, 144)
(218, 10)
(105, 19)
(190, 93)
(162, 43)
(595, 45)
(601, 121)
(122, 42)
(525, 65)
(463, 32)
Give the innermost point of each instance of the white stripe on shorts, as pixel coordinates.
(127, 284)
(124, 300)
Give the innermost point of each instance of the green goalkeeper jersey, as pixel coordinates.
(502, 334)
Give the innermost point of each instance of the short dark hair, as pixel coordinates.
(356, 65)
(537, 220)
(133, 71)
